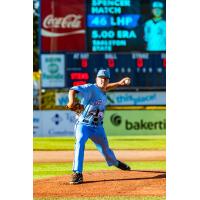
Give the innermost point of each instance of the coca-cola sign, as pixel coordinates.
(63, 25)
(68, 21)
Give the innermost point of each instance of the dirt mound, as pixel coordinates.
(104, 183)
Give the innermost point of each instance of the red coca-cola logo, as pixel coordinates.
(63, 25)
(69, 21)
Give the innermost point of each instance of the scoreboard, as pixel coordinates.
(146, 70)
(88, 35)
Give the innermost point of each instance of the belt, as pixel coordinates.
(93, 123)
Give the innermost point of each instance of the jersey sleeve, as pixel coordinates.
(84, 91)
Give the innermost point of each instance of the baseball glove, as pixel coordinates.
(77, 108)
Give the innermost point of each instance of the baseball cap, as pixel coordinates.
(103, 73)
(157, 4)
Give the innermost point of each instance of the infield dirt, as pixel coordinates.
(91, 155)
(104, 183)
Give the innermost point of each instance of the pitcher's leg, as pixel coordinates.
(81, 138)
(101, 142)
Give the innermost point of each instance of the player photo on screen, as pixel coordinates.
(155, 29)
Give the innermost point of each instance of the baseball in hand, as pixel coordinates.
(127, 81)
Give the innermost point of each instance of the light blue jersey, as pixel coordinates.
(155, 35)
(94, 101)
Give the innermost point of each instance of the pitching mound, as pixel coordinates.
(104, 183)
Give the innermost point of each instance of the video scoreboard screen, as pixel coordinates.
(128, 37)
(112, 26)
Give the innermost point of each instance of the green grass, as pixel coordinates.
(105, 198)
(115, 142)
(44, 170)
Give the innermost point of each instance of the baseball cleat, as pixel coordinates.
(123, 166)
(77, 178)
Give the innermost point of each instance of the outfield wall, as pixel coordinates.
(54, 123)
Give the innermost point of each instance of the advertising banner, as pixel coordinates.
(58, 123)
(37, 123)
(62, 25)
(135, 122)
(53, 70)
(136, 98)
(124, 98)
(54, 123)
(116, 122)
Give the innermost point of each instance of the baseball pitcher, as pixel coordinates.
(90, 122)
